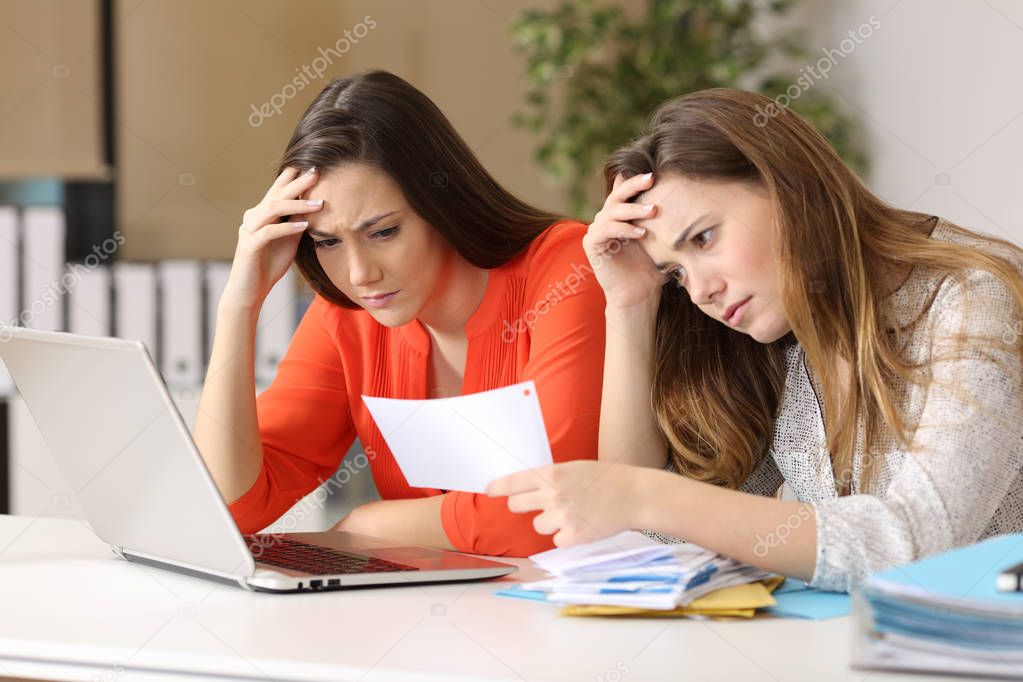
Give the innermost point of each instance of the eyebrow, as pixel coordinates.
(680, 240)
(364, 225)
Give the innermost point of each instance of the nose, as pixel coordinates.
(362, 271)
(702, 290)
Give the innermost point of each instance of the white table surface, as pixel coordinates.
(72, 610)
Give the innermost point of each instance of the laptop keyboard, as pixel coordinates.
(316, 559)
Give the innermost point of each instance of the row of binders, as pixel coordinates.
(169, 305)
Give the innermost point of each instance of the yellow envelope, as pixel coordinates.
(739, 601)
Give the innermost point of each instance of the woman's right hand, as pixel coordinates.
(623, 269)
(266, 248)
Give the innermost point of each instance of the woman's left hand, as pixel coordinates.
(579, 501)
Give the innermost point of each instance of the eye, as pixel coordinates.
(385, 233)
(675, 275)
(324, 243)
(704, 237)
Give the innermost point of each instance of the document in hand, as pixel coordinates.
(465, 442)
(631, 570)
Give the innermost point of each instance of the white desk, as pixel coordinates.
(72, 610)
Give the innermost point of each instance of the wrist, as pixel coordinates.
(237, 309)
(638, 495)
(636, 323)
(636, 316)
(651, 492)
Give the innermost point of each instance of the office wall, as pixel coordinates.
(50, 99)
(935, 87)
(194, 156)
(937, 90)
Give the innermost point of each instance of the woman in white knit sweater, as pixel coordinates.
(771, 320)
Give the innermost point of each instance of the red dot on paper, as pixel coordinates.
(525, 392)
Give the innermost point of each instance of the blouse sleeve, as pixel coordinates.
(566, 362)
(304, 423)
(965, 455)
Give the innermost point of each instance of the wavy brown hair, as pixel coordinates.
(378, 119)
(716, 391)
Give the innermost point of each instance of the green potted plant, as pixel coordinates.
(596, 71)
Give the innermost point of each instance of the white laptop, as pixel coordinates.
(110, 423)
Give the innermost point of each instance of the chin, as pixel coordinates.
(389, 317)
(769, 335)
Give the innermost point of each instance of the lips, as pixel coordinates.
(727, 317)
(380, 300)
(376, 297)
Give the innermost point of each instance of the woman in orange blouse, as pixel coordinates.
(431, 281)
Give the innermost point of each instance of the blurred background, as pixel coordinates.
(134, 133)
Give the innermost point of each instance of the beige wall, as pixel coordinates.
(49, 99)
(190, 71)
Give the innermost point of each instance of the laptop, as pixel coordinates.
(109, 421)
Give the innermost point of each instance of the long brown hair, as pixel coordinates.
(378, 119)
(716, 391)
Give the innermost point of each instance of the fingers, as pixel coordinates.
(286, 176)
(628, 212)
(547, 523)
(278, 230)
(602, 233)
(514, 484)
(269, 212)
(614, 221)
(525, 502)
(625, 190)
(299, 184)
(282, 207)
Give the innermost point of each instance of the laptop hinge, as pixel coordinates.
(187, 569)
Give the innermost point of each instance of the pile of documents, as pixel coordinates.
(944, 614)
(631, 573)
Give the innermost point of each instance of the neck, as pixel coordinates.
(458, 295)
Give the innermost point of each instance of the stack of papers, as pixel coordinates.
(944, 613)
(631, 570)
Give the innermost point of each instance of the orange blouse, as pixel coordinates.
(541, 318)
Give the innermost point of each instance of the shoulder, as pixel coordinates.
(977, 300)
(561, 237)
(324, 312)
(556, 259)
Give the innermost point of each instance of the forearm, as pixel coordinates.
(226, 428)
(776, 535)
(628, 430)
(414, 521)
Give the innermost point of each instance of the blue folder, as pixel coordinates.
(964, 575)
(794, 600)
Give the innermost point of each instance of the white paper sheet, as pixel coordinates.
(463, 443)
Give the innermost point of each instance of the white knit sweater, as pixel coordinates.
(962, 479)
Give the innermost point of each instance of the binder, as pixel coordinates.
(89, 301)
(965, 577)
(181, 322)
(277, 323)
(43, 262)
(944, 614)
(135, 304)
(9, 285)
